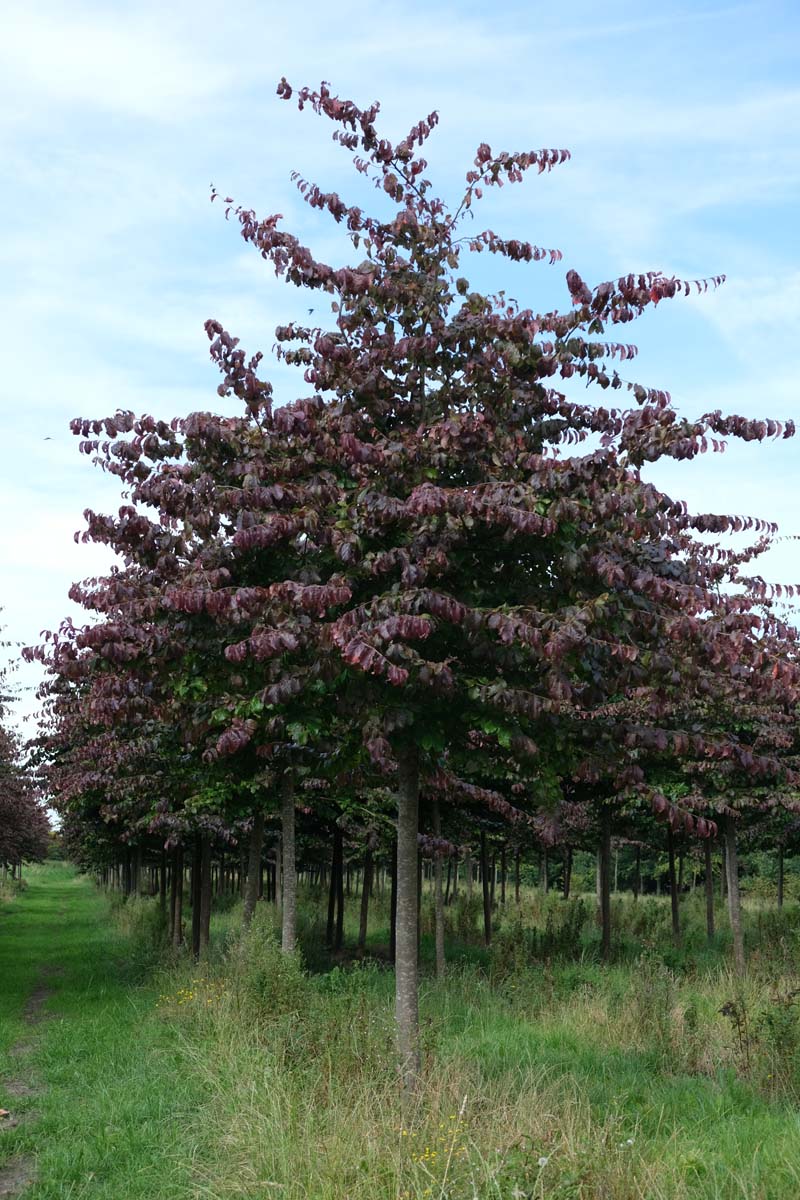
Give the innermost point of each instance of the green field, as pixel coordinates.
(546, 1074)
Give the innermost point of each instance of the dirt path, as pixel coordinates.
(18, 1173)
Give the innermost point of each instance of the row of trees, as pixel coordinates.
(24, 825)
(433, 601)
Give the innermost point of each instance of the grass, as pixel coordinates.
(659, 1077)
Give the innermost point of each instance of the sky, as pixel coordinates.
(683, 120)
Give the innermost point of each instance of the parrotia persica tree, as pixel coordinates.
(24, 827)
(437, 544)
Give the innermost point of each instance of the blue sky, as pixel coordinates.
(684, 125)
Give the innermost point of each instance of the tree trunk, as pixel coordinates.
(162, 884)
(723, 881)
(780, 876)
(365, 894)
(253, 867)
(487, 898)
(469, 869)
(339, 938)
(447, 884)
(567, 871)
(176, 899)
(406, 961)
(195, 894)
(333, 890)
(503, 874)
(734, 900)
(205, 892)
(604, 880)
(709, 891)
(393, 905)
(438, 900)
(543, 874)
(637, 878)
(289, 889)
(673, 888)
(517, 854)
(680, 872)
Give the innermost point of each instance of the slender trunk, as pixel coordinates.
(469, 869)
(637, 878)
(339, 938)
(277, 878)
(487, 898)
(680, 873)
(567, 871)
(455, 880)
(447, 885)
(616, 870)
(438, 900)
(734, 900)
(365, 893)
(162, 884)
(330, 929)
(289, 891)
(176, 899)
(709, 890)
(723, 882)
(780, 877)
(604, 872)
(253, 867)
(503, 874)
(137, 871)
(195, 894)
(543, 873)
(393, 905)
(406, 961)
(516, 874)
(205, 892)
(673, 888)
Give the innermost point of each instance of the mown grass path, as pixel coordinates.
(99, 1099)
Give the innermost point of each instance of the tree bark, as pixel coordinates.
(447, 884)
(567, 871)
(517, 854)
(438, 899)
(604, 880)
(393, 905)
(339, 939)
(503, 874)
(673, 888)
(253, 867)
(289, 890)
(205, 892)
(162, 884)
(195, 894)
(176, 899)
(709, 883)
(487, 898)
(734, 899)
(406, 961)
(637, 878)
(366, 888)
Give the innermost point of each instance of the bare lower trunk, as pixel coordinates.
(487, 897)
(406, 998)
(734, 900)
(503, 874)
(176, 899)
(604, 880)
(637, 878)
(516, 875)
(162, 884)
(195, 893)
(289, 891)
(365, 894)
(469, 870)
(567, 871)
(709, 890)
(205, 892)
(673, 889)
(253, 867)
(438, 900)
(393, 905)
